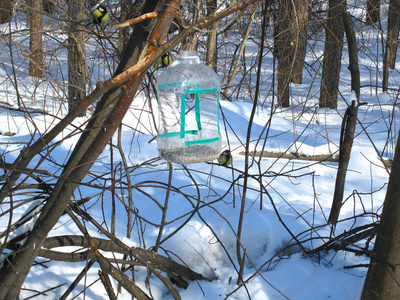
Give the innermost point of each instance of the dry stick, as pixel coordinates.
(77, 280)
(348, 125)
(105, 280)
(112, 174)
(44, 292)
(129, 188)
(239, 56)
(164, 209)
(246, 158)
(103, 273)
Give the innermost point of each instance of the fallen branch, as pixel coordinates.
(346, 239)
(270, 154)
(161, 262)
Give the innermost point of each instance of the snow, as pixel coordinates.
(298, 193)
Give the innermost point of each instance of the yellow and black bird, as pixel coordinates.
(225, 158)
(164, 60)
(99, 15)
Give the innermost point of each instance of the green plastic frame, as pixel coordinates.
(182, 131)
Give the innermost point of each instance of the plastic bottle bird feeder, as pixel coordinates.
(188, 102)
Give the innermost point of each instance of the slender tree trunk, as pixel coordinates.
(393, 33)
(282, 50)
(283, 44)
(383, 277)
(346, 143)
(35, 20)
(212, 46)
(334, 32)
(373, 11)
(299, 24)
(290, 45)
(238, 58)
(389, 59)
(191, 42)
(349, 123)
(77, 65)
(5, 11)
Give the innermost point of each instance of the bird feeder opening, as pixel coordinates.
(188, 105)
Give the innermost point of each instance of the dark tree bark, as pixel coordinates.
(373, 11)
(383, 277)
(48, 6)
(283, 48)
(348, 124)
(299, 23)
(389, 59)
(290, 36)
(123, 34)
(334, 32)
(212, 50)
(5, 11)
(346, 143)
(35, 20)
(77, 65)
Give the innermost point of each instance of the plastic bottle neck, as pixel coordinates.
(189, 57)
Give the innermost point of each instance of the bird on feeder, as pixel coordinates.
(225, 158)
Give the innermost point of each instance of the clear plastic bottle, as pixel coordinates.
(188, 102)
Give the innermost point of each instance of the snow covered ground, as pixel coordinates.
(294, 206)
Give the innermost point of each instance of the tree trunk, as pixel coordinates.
(346, 143)
(123, 33)
(383, 277)
(348, 124)
(212, 47)
(77, 65)
(373, 11)
(191, 42)
(283, 48)
(299, 22)
(290, 35)
(389, 59)
(5, 11)
(332, 54)
(238, 59)
(35, 20)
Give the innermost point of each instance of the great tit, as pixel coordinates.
(164, 60)
(225, 158)
(99, 15)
